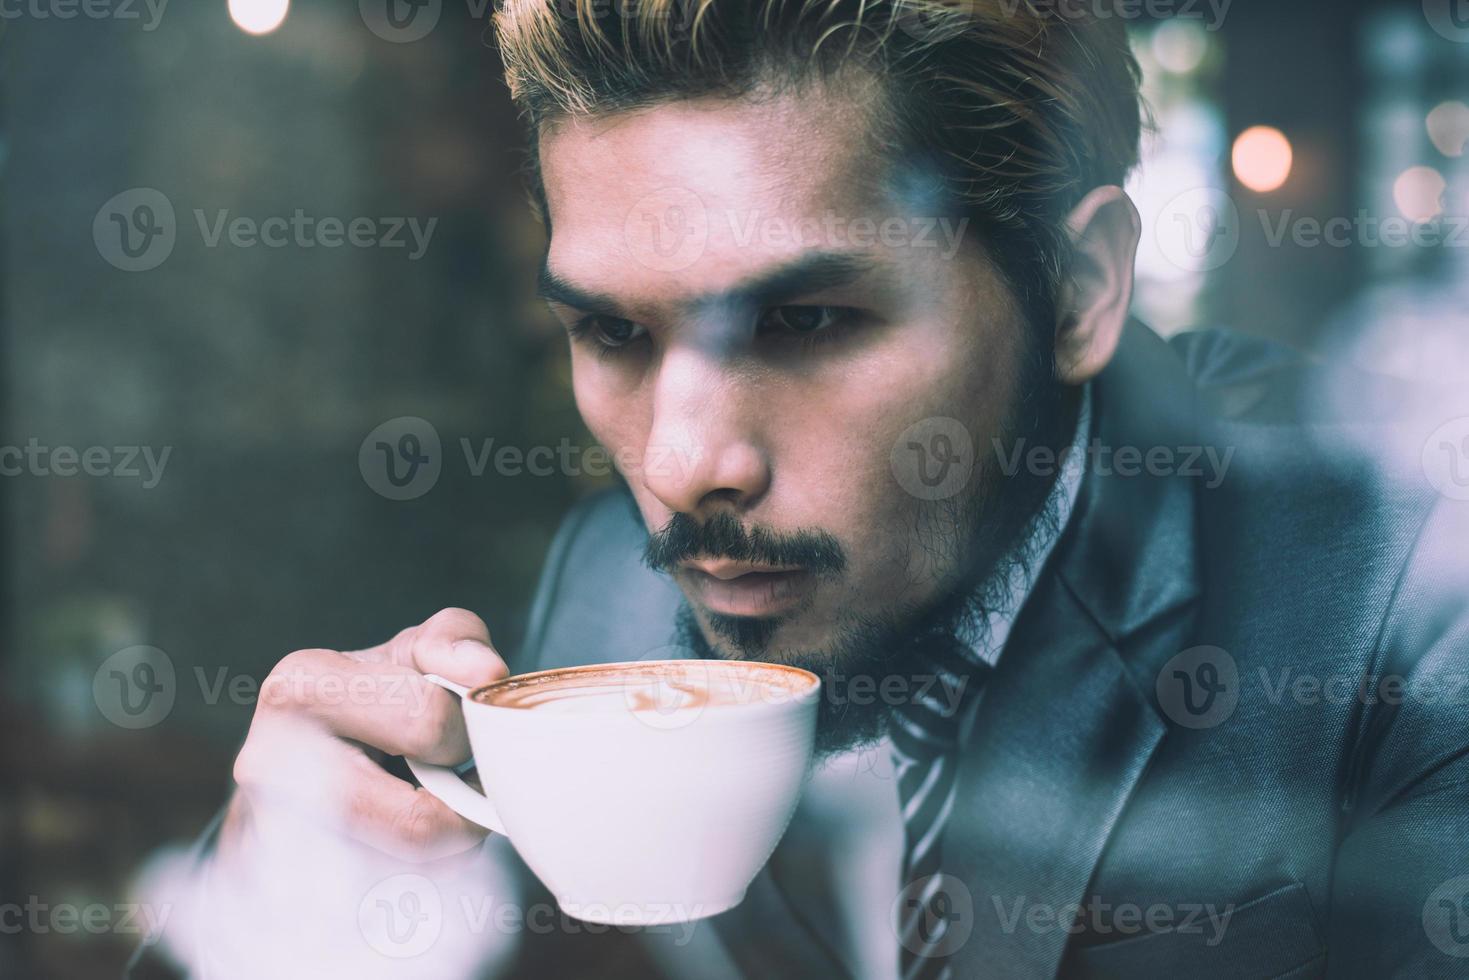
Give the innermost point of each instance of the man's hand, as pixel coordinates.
(326, 719)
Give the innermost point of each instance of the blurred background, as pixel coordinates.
(191, 412)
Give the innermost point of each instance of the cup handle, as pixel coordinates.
(444, 782)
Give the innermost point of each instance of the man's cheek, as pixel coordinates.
(609, 422)
(655, 514)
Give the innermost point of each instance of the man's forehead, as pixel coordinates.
(800, 137)
(698, 198)
(796, 155)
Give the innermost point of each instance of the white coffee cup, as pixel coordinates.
(640, 793)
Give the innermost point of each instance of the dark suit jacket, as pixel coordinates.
(1330, 825)
(1120, 780)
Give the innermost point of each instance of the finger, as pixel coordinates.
(284, 767)
(453, 643)
(404, 820)
(383, 705)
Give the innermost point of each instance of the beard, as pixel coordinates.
(981, 539)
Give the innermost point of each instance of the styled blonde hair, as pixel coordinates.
(1015, 109)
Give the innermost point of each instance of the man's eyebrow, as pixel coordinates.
(554, 289)
(806, 274)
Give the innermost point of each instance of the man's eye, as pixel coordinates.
(802, 320)
(609, 331)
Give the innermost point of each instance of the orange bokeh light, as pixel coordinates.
(1262, 158)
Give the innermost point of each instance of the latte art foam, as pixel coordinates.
(663, 688)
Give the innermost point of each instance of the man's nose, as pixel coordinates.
(704, 447)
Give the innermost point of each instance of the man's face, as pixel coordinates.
(760, 310)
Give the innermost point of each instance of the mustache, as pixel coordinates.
(723, 536)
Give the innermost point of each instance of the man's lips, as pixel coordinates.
(734, 588)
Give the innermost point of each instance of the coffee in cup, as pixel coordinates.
(644, 792)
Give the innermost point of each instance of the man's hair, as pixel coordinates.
(1011, 110)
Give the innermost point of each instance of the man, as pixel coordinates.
(847, 291)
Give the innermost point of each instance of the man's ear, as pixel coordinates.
(1098, 292)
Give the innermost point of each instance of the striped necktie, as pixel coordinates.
(925, 737)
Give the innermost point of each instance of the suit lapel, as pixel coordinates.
(1068, 723)
(1053, 757)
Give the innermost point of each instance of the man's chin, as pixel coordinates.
(767, 639)
(793, 638)
(843, 723)
(739, 637)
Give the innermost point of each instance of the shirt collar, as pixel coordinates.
(988, 643)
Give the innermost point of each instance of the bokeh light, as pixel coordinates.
(1179, 46)
(1262, 158)
(1418, 193)
(1448, 127)
(258, 16)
